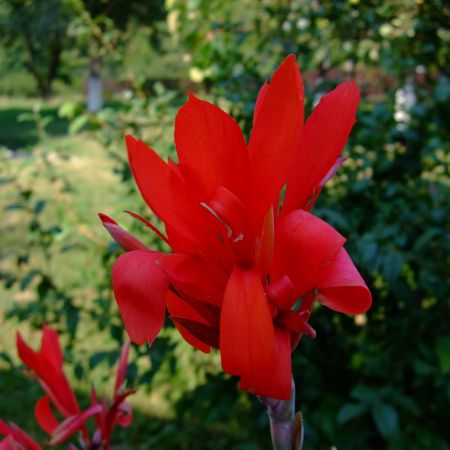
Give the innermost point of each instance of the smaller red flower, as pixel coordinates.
(46, 367)
(16, 438)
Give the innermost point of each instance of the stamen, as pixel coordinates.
(238, 238)
(227, 227)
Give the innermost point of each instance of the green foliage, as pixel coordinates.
(39, 29)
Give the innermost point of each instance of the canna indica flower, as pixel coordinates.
(15, 438)
(248, 259)
(46, 365)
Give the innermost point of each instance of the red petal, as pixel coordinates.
(28, 356)
(72, 424)
(259, 101)
(317, 189)
(342, 288)
(304, 247)
(50, 347)
(204, 336)
(294, 321)
(45, 416)
(211, 148)
(264, 246)
(282, 293)
(147, 224)
(152, 177)
(122, 366)
(275, 138)
(58, 389)
(187, 319)
(16, 436)
(229, 210)
(47, 365)
(247, 339)
(8, 443)
(125, 415)
(171, 199)
(277, 382)
(190, 276)
(140, 289)
(323, 138)
(126, 240)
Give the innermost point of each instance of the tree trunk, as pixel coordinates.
(94, 87)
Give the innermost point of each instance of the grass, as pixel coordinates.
(18, 122)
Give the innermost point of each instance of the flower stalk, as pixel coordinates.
(286, 426)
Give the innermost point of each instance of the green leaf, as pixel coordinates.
(39, 206)
(68, 110)
(351, 411)
(386, 419)
(442, 350)
(79, 371)
(78, 124)
(6, 358)
(364, 394)
(392, 265)
(27, 279)
(13, 207)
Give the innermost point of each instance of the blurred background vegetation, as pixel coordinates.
(76, 75)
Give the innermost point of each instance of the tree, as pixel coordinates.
(40, 29)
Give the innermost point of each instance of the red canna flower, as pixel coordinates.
(16, 438)
(246, 264)
(46, 366)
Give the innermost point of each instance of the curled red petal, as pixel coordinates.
(247, 339)
(45, 416)
(282, 293)
(304, 247)
(140, 289)
(323, 138)
(124, 415)
(342, 288)
(126, 240)
(275, 138)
